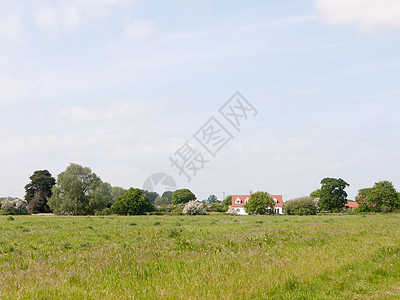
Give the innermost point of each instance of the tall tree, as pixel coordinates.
(38, 190)
(162, 201)
(79, 191)
(383, 193)
(227, 202)
(117, 192)
(182, 196)
(151, 195)
(212, 199)
(364, 202)
(316, 194)
(168, 194)
(333, 196)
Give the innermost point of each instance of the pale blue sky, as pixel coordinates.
(120, 85)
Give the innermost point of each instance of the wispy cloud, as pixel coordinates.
(363, 14)
(112, 110)
(11, 26)
(140, 30)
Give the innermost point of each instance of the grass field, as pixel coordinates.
(207, 257)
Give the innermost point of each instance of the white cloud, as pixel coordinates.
(363, 14)
(11, 27)
(116, 109)
(47, 18)
(140, 30)
(67, 16)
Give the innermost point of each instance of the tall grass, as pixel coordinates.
(193, 257)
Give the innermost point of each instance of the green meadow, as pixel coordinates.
(200, 257)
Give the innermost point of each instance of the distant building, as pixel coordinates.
(238, 202)
(351, 205)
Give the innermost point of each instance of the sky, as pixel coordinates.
(125, 87)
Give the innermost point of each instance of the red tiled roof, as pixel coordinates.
(278, 198)
(351, 204)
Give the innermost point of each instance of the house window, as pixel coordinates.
(245, 200)
(275, 201)
(238, 201)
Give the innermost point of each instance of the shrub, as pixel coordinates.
(133, 202)
(301, 206)
(14, 206)
(215, 207)
(194, 208)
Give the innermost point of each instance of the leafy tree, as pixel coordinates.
(133, 202)
(168, 194)
(38, 190)
(382, 194)
(162, 201)
(79, 191)
(151, 195)
(117, 192)
(364, 203)
(227, 202)
(260, 203)
(316, 194)
(182, 196)
(301, 206)
(333, 196)
(212, 199)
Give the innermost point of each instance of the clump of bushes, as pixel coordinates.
(301, 206)
(12, 206)
(194, 208)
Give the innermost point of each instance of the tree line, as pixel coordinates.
(79, 191)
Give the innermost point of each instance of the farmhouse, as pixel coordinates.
(238, 202)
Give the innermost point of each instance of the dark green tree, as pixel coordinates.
(316, 194)
(117, 192)
(260, 203)
(333, 196)
(79, 191)
(38, 190)
(364, 202)
(162, 200)
(383, 194)
(182, 196)
(212, 199)
(133, 202)
(168, 194)
(227, 202)
(151, 195)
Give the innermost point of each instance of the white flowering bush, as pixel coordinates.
(14, 206)
(232, 210)
(194, 208)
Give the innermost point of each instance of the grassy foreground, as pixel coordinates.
(207, 257)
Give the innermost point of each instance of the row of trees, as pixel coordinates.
(381, 197)
(331, 197)
(79, 191)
